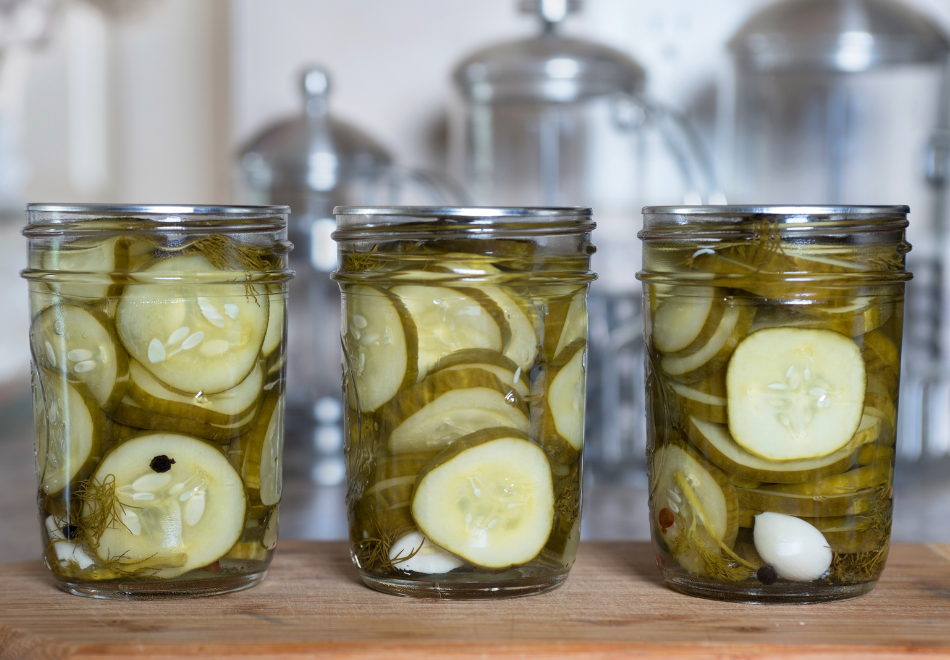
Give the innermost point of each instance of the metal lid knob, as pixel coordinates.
(315, 84)
(551, 12)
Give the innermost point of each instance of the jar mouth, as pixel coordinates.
(89, 219)
(793, 210)
(416, 222)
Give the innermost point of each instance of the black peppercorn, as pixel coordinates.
(767, 575)
(70, 531)
(162, 463)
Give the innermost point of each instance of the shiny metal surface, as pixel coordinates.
(313, 151)
(776, 210)
(838, 35)
(156, 209)
(467, 211)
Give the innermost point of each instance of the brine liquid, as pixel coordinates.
(126, 534)
(484, 336)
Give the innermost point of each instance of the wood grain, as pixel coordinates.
(614, 605)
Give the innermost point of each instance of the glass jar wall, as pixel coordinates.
(465, 338)
(158, 348)
(773, 363)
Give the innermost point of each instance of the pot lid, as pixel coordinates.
(837, 35)
(547, 68)
(314, 150)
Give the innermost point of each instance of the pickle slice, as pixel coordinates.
(95, 260)
(223, 408)
(795, 394)
(814, 506)
(679, 321)
(704, 400)
(68, 431)
(448, 405)
(694, 507)
(489, 499)
(506, 370)
(276, 321)
(522, 345)
(446, 321)
(561, 428)
(179, 504)
(193, 337)
(713, 351)
(846, 482)
(130, 413)
(853, 318)
(263, 472)
(714, 441)
(81, 345)
(380, 342)
(565, 321)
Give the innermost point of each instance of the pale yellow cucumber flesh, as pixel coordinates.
(376, 344)
(718, 519)
(96, 263)
(193, 337)
(575, 325)
(222, 408)
(263, 470)
(566, 400)
(75, 342)
(505, 369)
(677, 365)
(453, 415)
(795, 393)
(678, 321)
(446, 321)
(716, 443)
(522, 347)
(491, 504)
(181, 519)
(66, 434)
(697, 403)
(276, 319)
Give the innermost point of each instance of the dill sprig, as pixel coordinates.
(858, 567)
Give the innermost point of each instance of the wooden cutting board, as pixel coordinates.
(614, 605)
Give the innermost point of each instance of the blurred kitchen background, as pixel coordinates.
(620, 103)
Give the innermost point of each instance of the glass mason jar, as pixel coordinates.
(464, 339)
(158, 347)
(773, 341)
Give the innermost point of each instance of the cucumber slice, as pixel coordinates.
(223, 408)
(565, 322)
(448, 405)
(561, 427)
(691, 504)
(822, 524)
(179, 516)
(506, 370)
(97, 260)
(714, 441)
(853, 318)
(193, 337)
(489, 499)
(263, 471)
(703, 400)
(68, 431)
(713, 351)
(130, 413)
(380, 344)
(846, 482)
(414, 553)
(522, 345)
(81, 345)
(276, 320)
(446, 321)
(795, 394)
(680, 320)
(813, 506)
(883, 359)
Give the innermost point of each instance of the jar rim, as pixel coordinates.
(156, 209)
(777, 209)
(468, 212)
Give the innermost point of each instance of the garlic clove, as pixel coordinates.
(428, 557)
(794, 548)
